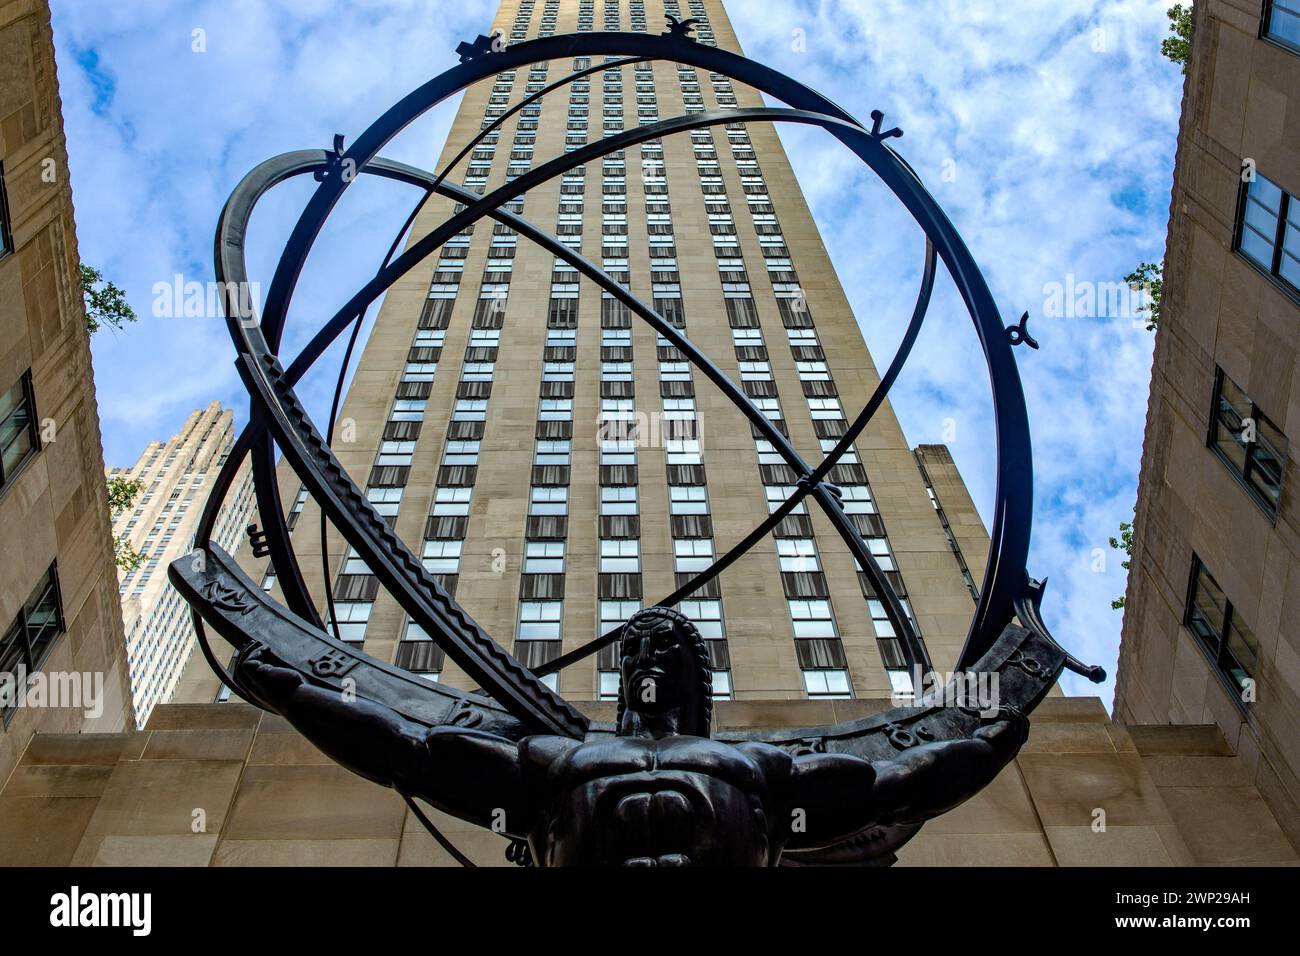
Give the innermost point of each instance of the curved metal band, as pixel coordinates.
(1005, 578)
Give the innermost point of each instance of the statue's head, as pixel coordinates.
(666, 684)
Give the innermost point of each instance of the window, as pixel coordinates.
(395, 453)
(620, 500)
(609, 681)
(620, 556)
(352, 618)
(549, 500)
(544, 557)
(6, 236)
(1282, 22)
(540, 620)
(777, 495)
(706, 616)
(825, 409)
(812, 619)
(1268, 233)
(442, 557)
(460, 453)
(29, 639)
(551, 453)
(555, 410)
(615, 614)
(797, 555)
(19, 441)
(385, 500)
(470, 410)
(408, 410)
(1225, 637)
(451, 502)
(692, 555)
(856, 500)
(683, 451)
(1247, 442)
(830, 684)
(900, 684)
(688, 499)
(722, 685)
(622, 452)
(352, 564)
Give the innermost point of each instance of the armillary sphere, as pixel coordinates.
(357, 707)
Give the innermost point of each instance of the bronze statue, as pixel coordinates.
(660, 792)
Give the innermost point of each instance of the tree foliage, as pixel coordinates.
(121, 495)
(1123, 543)
(105, 303)
(1178, 47)
(1148, 278)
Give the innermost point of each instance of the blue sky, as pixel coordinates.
(1047, 131)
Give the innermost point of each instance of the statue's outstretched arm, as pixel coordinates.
(830, 798)
(466, 773)
(925, 781)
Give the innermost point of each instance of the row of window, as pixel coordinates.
(29, 639)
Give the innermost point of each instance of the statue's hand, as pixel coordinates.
(270, 684)
(1008, 728)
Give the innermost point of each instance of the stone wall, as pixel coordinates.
(1171, 795)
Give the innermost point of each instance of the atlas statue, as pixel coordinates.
(662, 785)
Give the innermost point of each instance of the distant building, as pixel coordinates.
(57, 609)
(1212, 624)
(159, 527)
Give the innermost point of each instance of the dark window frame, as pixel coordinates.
(1243, 474)
(1269, 37)
(7, 479)
(1273, 272)
(19, 631)
(1217, 653)
(6, 231)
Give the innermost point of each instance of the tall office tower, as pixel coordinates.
(174, 477)
(558, 466)
(57, 609)
(1212, 626)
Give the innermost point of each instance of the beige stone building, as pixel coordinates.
(1212, 625)
(58, 607)
(174, 477)
(478, 428)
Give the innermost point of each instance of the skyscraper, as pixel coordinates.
(159, 527)
(58, 615)
(638, 473)
(1212, 623)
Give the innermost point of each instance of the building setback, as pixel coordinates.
(175, 476)
(58, 612)
(1212, 620)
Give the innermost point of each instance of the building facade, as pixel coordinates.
(58, 616)
(639, 473)
(159, 526)
(1212, 621)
